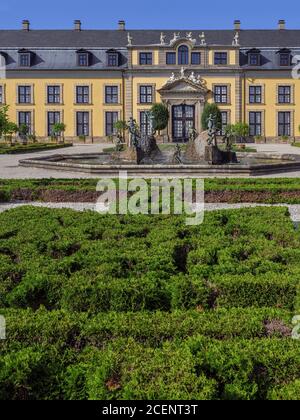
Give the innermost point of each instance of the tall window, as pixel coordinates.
(52, 119)
(221, 58)
(255, 123)
(82, 94)
(221, 94)
(83, 59)
(110, 119)
(83, 123)
(145, 124)
(183, 55)
(111, 94)
(146, 94)
(145, 59)
(255, 94)
(24, 118)
(284, 94)
(113, 59)
(24, 95)
(284, 59)
(196, 58)
(24, 59)
(171, 58)
(284, 123)
(225, 122)
(1, 95)
(53, 95)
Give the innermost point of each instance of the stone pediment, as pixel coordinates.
(181, 86)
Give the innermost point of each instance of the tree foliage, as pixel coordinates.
(161, 116)
(211, 109)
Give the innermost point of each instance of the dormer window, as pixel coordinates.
(112, 58)
(24, 58)
(254, 58)
(284, 58)
(83, 58)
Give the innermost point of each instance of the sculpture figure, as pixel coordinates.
(212, 132)
(129, 39)
(177, 155)
(133, 138)
(236, 40)
(202, 39)
(162, 39)
(182, 73)
(175, 38)
(193, 78)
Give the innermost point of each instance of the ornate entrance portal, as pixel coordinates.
(185, 96)
(183, 121)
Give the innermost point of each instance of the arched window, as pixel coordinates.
(183, 55)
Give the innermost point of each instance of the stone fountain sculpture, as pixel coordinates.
(142, 149)
(205, 147)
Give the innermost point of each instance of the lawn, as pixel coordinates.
(29, 148)
(144, 307)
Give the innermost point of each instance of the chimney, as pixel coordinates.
(26, 25)
(121, 25)
(77, 25)
(281, 24)
(237, 25)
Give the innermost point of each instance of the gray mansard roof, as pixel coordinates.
(118, 39)
(56, 49)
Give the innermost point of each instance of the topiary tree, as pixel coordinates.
(215, 111)
(58, 131)
(160, 116)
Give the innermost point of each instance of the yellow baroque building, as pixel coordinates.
(89, 79)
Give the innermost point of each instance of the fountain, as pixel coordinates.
(143, 157)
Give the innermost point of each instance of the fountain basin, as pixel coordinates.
(250, 164)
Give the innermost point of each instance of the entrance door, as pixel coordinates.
(183, 117)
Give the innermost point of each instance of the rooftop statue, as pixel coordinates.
(236, 40)
(175, 38)
(202, 39)
(129, 39)
(162, 39)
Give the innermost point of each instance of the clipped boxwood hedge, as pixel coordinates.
(123, 307)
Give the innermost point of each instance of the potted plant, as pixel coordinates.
(58, 132)
(241, 131)
(23, 133)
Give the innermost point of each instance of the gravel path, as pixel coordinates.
(293, 209)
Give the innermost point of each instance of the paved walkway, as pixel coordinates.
(293, 209)
(9, 168)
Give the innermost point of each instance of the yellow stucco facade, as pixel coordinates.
(181, 74)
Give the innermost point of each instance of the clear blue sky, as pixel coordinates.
(143, 14)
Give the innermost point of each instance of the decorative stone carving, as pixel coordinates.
(196, 80)
(202, 39)
(236, 40)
